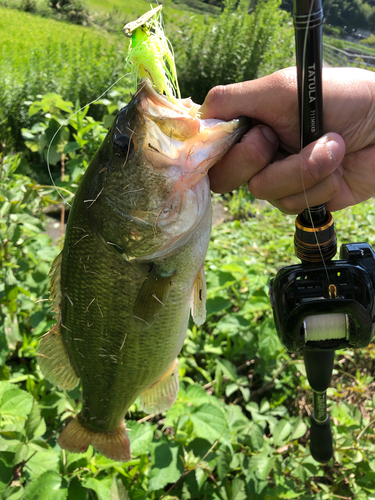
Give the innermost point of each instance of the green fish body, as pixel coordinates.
(132, 266)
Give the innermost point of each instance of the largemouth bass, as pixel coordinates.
(132, 266)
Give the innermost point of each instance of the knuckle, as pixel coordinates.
(290, 205)
(257, 155)
(257, 187)
(216, 94)
(312, 170)
(334, 184)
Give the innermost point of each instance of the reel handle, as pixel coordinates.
(319, 366)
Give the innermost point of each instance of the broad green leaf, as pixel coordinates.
(209, 422)
(38, 444)
(261, 464)
(47, 486)
(298, 429)
(228, 369)
(21, 453)
(11, 327)
(15, 405)
(13, 493)
(101, 488)
(223, 464)
(78, 491)
(176, 411)
(281, 432)
(216, 305)
(167, 466)
(118, 490)
(10, 438)
(5, 386)
(43, 461)
(196, 395)
(238, 489)
(35, 425)
(200, 448)
(346, 415)
(71, 147)
(256, 436)
(141, 436)
(75, 460)
(6, 474)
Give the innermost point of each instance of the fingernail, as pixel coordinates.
(269, 134)
(334, 149)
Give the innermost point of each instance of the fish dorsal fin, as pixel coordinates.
(54, 361)
(199, 296)
(152, 297)
(55, 290)
(163, 393)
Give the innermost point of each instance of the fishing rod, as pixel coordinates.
(320, 305)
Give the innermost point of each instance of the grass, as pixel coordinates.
(40, 55)
(131, 10)
(358, 48)
(23, 34)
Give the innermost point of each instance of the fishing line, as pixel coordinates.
(301, 137)
(66, 123)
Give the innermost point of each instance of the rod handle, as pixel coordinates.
(321, 444)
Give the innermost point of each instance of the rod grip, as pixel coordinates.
(321, 444)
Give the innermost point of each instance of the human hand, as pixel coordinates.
(338, 169)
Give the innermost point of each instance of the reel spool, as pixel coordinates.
(320, 305)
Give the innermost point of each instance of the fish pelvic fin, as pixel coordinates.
(163, 393)
(115, 444)
(54, 361)
(199, 296)
(55, 289)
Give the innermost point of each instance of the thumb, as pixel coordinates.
(270, 99)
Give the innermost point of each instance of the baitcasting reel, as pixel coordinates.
(320, 308)
(321, 305)
(327, 308)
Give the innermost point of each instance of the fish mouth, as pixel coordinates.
(176, 136)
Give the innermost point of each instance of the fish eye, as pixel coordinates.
(123, 146)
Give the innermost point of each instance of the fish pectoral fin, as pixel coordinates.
(162, 395)
(54, 361)
(199, 296)
(115, 444)
(152, 297)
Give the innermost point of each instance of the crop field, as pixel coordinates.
(40, 55)
(135, 8)
(22, 34)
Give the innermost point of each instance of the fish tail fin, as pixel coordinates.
(115, 444)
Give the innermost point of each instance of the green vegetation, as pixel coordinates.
(347, 15)
(39, 55)
(238, 428)
(234, 47)
(350, 46)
